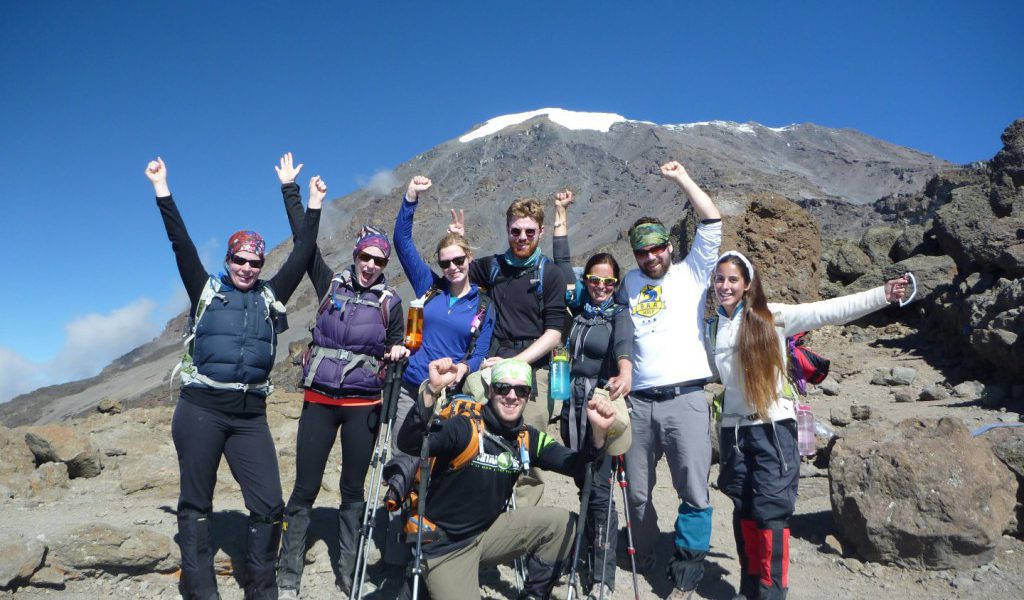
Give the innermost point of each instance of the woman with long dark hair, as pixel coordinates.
(600, 345)
(225, 380)
(358, 325)
(760, 459)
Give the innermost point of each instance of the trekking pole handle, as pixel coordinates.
(913, 283)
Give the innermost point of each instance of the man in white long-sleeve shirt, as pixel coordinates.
(670, 415)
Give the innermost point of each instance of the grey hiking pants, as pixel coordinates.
(678, 428)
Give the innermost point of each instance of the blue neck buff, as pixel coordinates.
(591, 310)
(515, 261)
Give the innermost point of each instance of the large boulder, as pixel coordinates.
(877, 243)
(922, 493)
(19, 560)
(847, 262)
(1008, 445)
(104, 548)
(58, 443)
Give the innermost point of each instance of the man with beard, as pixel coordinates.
(527, 291)
(670, 416)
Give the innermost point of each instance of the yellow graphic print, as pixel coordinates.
(649, 303)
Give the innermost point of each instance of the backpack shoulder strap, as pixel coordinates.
(475, 445)
(478, 323)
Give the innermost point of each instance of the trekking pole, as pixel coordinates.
(421, 505)
(517, 564)
(631, 550)
(588, 483)
(607, 533)
(381, 449)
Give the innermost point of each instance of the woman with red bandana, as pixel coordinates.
(359, 324)
(225, 379)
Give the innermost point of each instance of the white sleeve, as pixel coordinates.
(797, 318)
(703, 255)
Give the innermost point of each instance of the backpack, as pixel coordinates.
(402, 473)
(538, 268)
(805, 365)
(383, 302)
(475, 326)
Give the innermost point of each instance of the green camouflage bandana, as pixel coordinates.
(512, 369)
(647, 234)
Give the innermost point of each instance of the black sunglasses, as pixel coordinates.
(502, 389)
(380, 261)
(458, 261)
(516, 232)
(657, 249)
(256, 263)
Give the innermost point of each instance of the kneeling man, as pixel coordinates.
(467, 504)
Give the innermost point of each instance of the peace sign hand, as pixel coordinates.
(458, 224)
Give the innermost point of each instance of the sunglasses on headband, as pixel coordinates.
(458, 261)
(503, 389)
(255, 263)
(380, 261)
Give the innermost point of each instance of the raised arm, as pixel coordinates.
(836, 311)
(703, 207)
(190, 267)
(416, 270)
(320, 273)
(289, 275)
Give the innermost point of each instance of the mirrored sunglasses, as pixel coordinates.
(598, 280)
(657, 249)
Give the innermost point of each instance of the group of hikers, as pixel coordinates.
(474, 394)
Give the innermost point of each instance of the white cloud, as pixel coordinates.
(91, 342)
(382, 182)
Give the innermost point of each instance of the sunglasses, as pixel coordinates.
(598, 280)
(502, 389)
(516, 232)
(657, 249)
(458, 261)
(256, 263)
(380, 261)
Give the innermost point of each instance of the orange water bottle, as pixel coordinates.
(414, 325)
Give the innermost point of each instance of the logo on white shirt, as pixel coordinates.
(649, 302)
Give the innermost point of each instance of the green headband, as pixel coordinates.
(512, 369)
(647, 234)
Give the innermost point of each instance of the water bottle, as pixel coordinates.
(558, 386)
(805, 430)
(414, 326)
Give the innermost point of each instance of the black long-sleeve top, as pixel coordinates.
(194, 277)
(320, 275)
(464, 503)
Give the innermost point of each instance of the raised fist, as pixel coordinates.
(156, 170)
(317, 191)
(418, 184)
(673, 170)
(563, 199)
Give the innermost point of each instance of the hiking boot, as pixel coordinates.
(601, 592)
(287, 594)
(678, 594)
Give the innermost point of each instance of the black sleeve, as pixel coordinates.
(622, 335)
(563, 258)
(289, 275)
(190, 267)
(554, 313)
(479, 272)
(396, 323)
(552, 456)
(447, 438)
(320, 274)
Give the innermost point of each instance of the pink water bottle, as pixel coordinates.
(805, 430)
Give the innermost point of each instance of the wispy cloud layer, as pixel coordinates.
(91, 342)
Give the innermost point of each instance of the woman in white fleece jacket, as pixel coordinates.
(760, 461)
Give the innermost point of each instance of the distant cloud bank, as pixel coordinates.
(91, 341)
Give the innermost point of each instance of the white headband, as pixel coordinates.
(743, 259)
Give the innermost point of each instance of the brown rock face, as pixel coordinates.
(115, 550)
(922, 493)
(57, 443)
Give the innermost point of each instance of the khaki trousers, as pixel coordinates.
(545, 531)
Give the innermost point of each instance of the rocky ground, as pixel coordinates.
(111, 534)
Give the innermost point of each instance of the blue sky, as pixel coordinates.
(92, 90)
